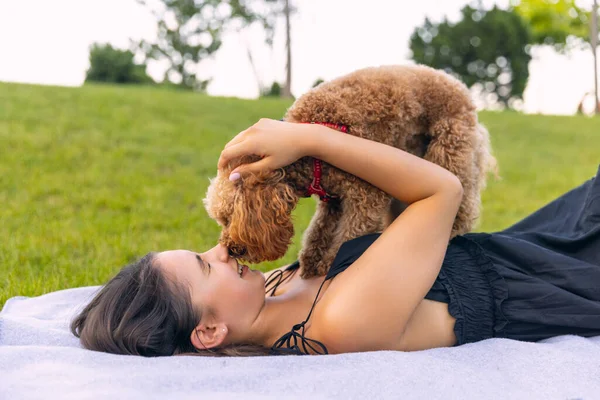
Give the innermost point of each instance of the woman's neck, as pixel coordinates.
(281, 313)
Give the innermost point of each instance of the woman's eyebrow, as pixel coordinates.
(202, 264)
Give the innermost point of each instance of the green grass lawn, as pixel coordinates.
(92, 178)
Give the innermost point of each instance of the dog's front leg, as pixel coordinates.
(395, 209)
(318, 240)
(362, 212)
(458, 146)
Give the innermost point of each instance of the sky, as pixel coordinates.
(47, 42)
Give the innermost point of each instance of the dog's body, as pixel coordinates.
(415, 108)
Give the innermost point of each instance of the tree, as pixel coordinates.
(287, 90)
(273, 91)
(557, 22)
(487, 49)
(190, 31)
(553, 22)
(317, 82)
(274, 10)
(594, 42)
(111, 65)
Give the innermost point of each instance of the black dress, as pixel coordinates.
(537, 279)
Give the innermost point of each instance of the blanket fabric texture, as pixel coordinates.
(40, 359)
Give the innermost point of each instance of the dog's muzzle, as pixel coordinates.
(236, 252)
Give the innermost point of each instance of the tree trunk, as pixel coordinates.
(287, 90)
(261, 87)
(594, 42)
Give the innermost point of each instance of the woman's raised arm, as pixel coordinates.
(400, 267)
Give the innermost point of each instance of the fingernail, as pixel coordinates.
(234, 176)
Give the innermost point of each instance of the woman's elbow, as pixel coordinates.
(453, 187)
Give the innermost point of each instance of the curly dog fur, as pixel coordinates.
(423, 111)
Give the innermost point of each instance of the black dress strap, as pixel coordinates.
(279, 276)
(296, 339)
(349, 252)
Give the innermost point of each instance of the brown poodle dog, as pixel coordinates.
(415, 108)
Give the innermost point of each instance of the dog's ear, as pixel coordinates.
(261, 220)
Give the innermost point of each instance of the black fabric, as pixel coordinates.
(351, 250)
(550, 263)
(537, 279)
(463, 283)
(295, 340)
(279, 276)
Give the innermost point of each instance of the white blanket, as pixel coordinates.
(40, 359)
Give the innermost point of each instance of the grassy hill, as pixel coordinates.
(92, 178)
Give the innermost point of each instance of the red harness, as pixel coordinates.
(315, 186)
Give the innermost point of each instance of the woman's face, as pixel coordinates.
(215, 283)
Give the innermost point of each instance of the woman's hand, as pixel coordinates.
(278, 143)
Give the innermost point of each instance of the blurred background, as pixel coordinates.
(531, 55)
(113, 113)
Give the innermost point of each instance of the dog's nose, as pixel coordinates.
(236, 252)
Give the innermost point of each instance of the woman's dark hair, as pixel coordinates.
(141, 312)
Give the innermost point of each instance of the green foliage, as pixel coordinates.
(318, 82)
(187, 38)
(273, 91)
(99, 175)
(553, 22)
(190, 31)
(486, 48)
(111, 65)
(264, 12)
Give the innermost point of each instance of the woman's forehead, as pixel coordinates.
(174, 256)
(177, 263)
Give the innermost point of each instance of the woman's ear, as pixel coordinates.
(261, 221)
(208, 336)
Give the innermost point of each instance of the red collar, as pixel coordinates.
(315, 186)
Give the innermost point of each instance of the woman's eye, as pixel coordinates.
(203, 264)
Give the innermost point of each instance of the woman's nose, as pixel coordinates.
(219, 252)
(222, 252)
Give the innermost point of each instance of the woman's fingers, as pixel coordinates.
(265, 139)
(233, 151)
(261, 165)
(237, 138)
(228, 154)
